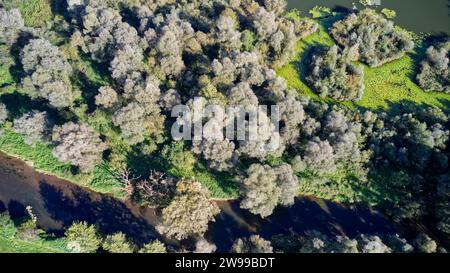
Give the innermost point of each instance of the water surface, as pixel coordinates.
(431, 16)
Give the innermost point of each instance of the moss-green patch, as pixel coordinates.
(16, 245)
(340, 186)
(393, 82)
(5, 64)
(10, 242)
(5, 76)
(35, 13)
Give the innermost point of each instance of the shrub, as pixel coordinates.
(377, 39)
(332, 74)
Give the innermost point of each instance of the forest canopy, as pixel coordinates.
(90, 91)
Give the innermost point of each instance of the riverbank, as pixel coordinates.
(58, 203)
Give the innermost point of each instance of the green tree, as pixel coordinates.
(82, 237)
(153, 247)
(117, 243)
(189, 212)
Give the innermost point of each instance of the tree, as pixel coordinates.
(159, 189)
(130, 119)
(260, 191)
(227, 35)
(319, 156)
(291, 115)
(288, 184)
(47, 73)
(117, 243)
(253, 244)
(106, 97)
(242, 95)
(372, 244)
(189, 212)
(35, 127)
(275, 6)
(333, 75)
(3, 113)
(218, 153)
(264, 22)
(203, 246)
(153, 247)
(99, 22)
(434, 74)
(83, 238)
(313, 241)
(265, 187)
(425, 244)
(11, 23)
(78, 144)
(172, 65)
(389, 13)
(169, 99)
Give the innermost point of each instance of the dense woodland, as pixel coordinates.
(96, 84)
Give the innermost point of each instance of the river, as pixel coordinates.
(57, 203)
(415, 15)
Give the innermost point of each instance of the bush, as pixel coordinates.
(153, 247)
(377, 39)
(82, 237)
(332, 74)
(117, 243)
(435, 69)
(189, 212)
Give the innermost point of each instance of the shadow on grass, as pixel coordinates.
(407, 106)
(19, 104)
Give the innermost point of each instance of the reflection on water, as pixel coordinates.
(414, 15)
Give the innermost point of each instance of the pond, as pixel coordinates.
(414, 15)
(57, 203)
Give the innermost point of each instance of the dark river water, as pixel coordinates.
(431, 16)
(57, 203)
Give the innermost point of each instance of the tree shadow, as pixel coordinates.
(19, 104)
(406, 106)
(17, 211)
(306, 214)
(88, 89)
(74, 204)
(302, 65)
(16, 70)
